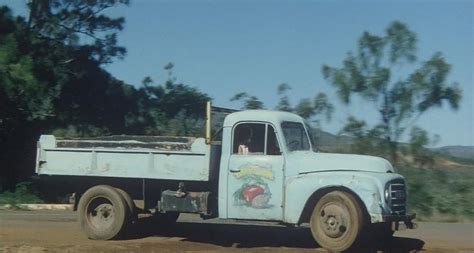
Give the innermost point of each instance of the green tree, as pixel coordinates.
(173, 108)
(417, 147)
(80, 25)
(365, 140)
(20, 89)
(373, 73)
(24, 100)
(284, 102)
(309, 109)
(50, 77)
(322, 107)
(250, 102)
(52, 64)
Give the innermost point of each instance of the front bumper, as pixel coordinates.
(400, 222)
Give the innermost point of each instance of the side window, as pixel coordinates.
(272, 142)
(249, 138)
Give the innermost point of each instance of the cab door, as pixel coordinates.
(255, 176)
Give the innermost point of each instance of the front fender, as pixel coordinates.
(368, 187)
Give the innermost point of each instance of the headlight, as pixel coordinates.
(387, 194)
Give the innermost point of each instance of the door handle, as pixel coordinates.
(234, 170)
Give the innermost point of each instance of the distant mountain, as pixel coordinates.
(465, 152)
(330, 142)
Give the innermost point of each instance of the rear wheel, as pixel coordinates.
(103, 212)
(336, 221)
(130, 204)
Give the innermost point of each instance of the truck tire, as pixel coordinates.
(336, 221)
(103, 212)
(130, 204)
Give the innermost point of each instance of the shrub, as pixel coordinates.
(23, 193)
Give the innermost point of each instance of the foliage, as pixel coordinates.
(176, 108)
(80, 130)
(308, 109)
(21, 91)
(23, 193)
(373, 73)
(284, 102)
(440, 194)
(25, 98)
(366, 140)
(250, 102)
(464, 161)
(419, 139)
(79, 25)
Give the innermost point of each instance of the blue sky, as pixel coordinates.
(225, 47)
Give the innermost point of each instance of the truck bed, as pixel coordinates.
(164, 143)
(151, 157)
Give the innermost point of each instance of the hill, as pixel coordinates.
(464, 152)
(329, 142)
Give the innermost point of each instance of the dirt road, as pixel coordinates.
(58, 231)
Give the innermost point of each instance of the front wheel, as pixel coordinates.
(103, 212)
(336, 221)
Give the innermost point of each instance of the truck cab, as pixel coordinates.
(270, 171)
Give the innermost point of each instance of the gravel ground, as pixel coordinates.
(58, 231)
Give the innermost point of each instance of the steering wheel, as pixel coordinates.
(294, 144)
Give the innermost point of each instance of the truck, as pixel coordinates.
(258, 166)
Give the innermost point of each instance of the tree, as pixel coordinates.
(81, 25)
(373, 73)
(365, 140)
(173, 108)
(55, 56)
(284, 103)
(51, 77)
(307, 108)
(250, 102)
(19, 85)
(419, 139)
(24, 100)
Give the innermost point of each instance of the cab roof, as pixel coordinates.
(260, 115)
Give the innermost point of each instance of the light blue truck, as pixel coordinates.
(259, 165)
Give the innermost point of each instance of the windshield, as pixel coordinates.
(295, 136)
(312, 136)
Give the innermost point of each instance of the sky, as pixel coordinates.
(226, 47)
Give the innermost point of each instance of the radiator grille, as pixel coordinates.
(397, 197)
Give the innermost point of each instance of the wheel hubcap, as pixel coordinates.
(101, 214)
(334, 220)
